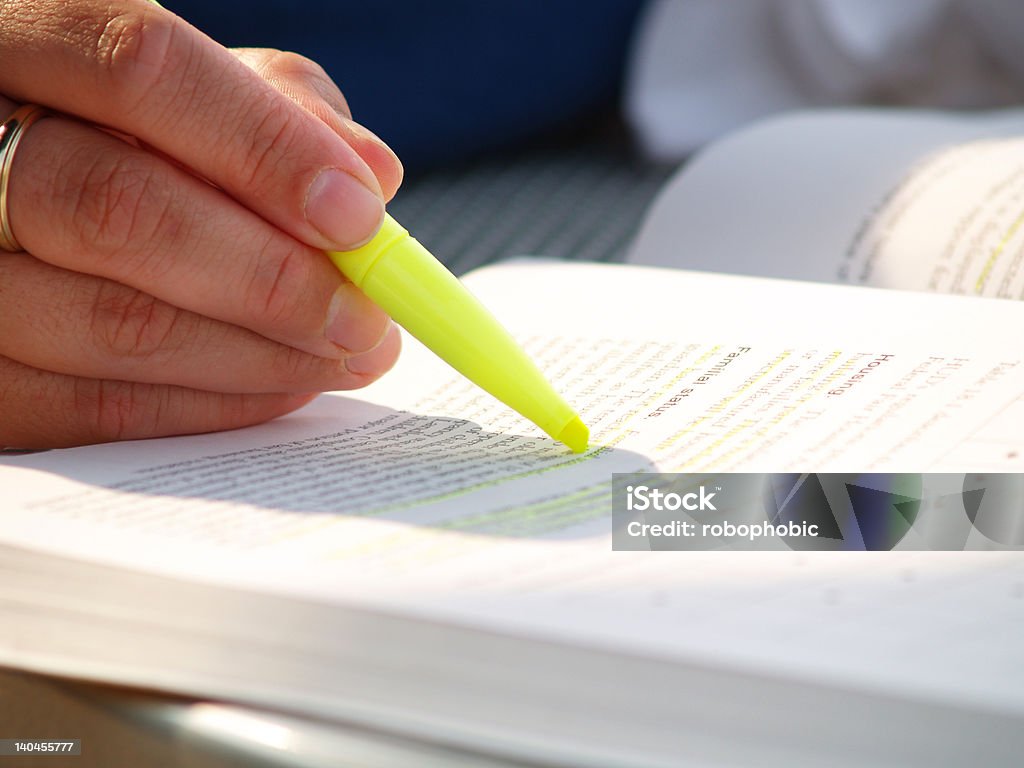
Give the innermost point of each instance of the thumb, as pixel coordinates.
(307, 84)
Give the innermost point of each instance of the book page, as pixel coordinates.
(911, 200)
(422, 495)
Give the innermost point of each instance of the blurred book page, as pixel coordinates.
(910, 200)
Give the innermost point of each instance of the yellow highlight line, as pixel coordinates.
(979, 284)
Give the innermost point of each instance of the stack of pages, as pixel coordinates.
(415, 558)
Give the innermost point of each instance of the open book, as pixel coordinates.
(416, 559)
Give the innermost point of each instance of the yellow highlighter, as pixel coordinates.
(402, 278)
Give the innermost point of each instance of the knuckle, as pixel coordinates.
(293, 64)
(116, 204)
(273, 136)
(279, 285)
(108, 408)
(111, 193)
(126, 323)
(136, 52)
(295, 67)
(295, 370)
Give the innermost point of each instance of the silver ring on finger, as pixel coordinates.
(13, 128)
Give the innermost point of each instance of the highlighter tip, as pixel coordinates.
(575, 435)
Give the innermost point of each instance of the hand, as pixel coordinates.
(174, 280)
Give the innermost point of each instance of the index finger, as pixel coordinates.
(137, 68)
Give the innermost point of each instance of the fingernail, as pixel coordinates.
(343, 209)
(379, 359)
(354, 322)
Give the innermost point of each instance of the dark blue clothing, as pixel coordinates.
(446, 79)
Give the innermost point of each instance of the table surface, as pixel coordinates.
(583, 201)
(123, 727)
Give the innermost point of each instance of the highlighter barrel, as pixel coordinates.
(406, 281)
